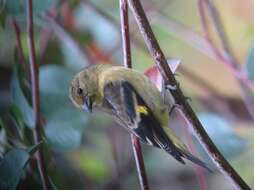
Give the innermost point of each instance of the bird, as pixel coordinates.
(133, 101)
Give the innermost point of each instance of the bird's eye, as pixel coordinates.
(80, 91)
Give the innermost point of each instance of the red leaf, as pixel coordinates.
(154, 75)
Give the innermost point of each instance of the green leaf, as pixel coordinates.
(55, 79)
(62, 136)
(17, 117)
(7, 40)
(250, 64)
(18, 7)
(54, 88)
(93, 165)
(8, 132)
(11, 168)
(2, 17)
(34, 148)
(15, 7)
(64, 129)
(53, 53)
(23, 80)
(20, 100)
(64, 122)
(42, 6)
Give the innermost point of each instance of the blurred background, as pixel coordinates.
(90, 151)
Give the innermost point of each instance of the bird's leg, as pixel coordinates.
(166, 96)
(178, 106)
(168, 99)
(166, 93)
(163, 92)
(171, 87)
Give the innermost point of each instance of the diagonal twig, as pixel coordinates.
(179, 97)
(191, 35)
(227, 56)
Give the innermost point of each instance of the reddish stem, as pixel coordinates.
(127, 62)
(139, 163)
(227, 57)
(18, 44)
(159, 58)
(37, 131)
(125, 33)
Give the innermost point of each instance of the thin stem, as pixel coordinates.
(205, 27)
(139, 162)
(125, 33)
(127, 62)
(221, 33)
(228, 63)
(18, 44)
(37, 131)
(197, 79)
(227, 57)
(179, 97)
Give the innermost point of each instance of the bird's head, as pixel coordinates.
(84, 89)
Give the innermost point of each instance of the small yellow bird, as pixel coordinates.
(134, 101)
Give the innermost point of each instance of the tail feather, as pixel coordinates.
(195, 160)
(182, 150)
(175, 153)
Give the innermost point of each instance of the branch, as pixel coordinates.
(221, 33)
(18, 44)
(180, 99)
(139, 162)
(195, 78)
(37, 131)
(127, 63)
(125, 33)
(226, 57)
(206, 30)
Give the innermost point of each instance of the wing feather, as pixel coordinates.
(136, 115)
(140, 120)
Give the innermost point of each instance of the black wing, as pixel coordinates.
(132, 110)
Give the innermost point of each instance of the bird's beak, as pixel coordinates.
(88, 104)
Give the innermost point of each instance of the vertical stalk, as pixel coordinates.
(18, 44)
(127, 63)
(37, 131)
